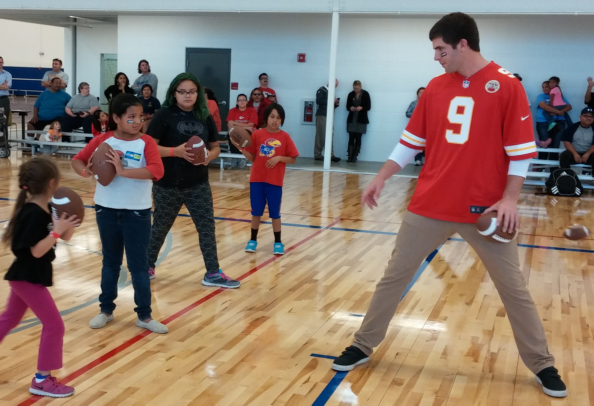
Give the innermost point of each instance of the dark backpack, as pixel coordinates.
(564, 182)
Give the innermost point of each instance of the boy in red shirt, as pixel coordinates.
(271, 150)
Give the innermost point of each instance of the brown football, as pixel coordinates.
(104, 171)
(576, 232)
(198, 149)
(487, 226)
(241, 136)
(66, 200)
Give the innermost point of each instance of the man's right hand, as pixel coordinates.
(372, 193)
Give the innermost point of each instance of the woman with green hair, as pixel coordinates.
(183, 115)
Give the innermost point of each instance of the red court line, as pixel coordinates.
(107, 356)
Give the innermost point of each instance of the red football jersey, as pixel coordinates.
(470, 128)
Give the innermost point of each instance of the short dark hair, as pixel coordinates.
(455, 27)
(58, 60)
(238, 96)
(555, 78)
(147, 85)
(210, 94)
(147, 64)
(279, 109)
(56, 78)
(1, 58)
(119, 105)
(518, 76)
(82, 84)
(546, 81)
(419, 89)
(262, 74)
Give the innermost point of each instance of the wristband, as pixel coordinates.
(171, 152)
(53, 234)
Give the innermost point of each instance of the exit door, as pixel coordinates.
(212, 67)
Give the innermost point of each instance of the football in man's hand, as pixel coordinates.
(487, 226)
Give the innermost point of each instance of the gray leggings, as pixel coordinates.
(198, 201)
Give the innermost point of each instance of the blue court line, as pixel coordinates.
(25, 324)
(339, 376)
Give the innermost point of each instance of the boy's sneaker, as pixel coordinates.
(251, 246)
(279, 248)
(349, 359)
(50, 387)
(100, 320)
(220, 280)
(152, 273)
(153, 326)
(551, 382)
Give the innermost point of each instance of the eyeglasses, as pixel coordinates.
(241, 100)
(256, 94)
(186, 93)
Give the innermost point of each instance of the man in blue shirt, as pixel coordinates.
(542, 126)
(5, 84)
(50, 106)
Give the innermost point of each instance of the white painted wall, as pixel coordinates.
(22, 43)
(391, 56)
(91, 43)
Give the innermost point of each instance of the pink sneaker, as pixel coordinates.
(152, 273)
(50, 387)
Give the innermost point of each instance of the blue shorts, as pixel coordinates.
(262, 193)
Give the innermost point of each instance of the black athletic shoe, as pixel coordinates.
(349, 359)
(551, 382)
(335, 159)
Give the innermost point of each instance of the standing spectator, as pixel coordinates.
(185, 114)
(145, 77)
(79, 111)
(258, 103)
(542, 125)
(409, 112)
(358, 104)
(268, 92)
(121, 85)
(320, 142)
(558, 102)
(150, 104)
(56, 72)
(241, 116)
(589, 99)
(5, 85)
(578, 140)
(213, 107)
(49, 106)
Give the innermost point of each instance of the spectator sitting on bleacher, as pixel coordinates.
(241, 116)
(121, 85)
(79, 111)
(56, 72)
(150, 104)
(100, 120)
(53, 135)
(49, 106)
(259, 103)
(213, 107)
(579, 141)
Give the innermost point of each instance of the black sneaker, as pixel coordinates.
(335, 159)
(349, 359)
(551, 382)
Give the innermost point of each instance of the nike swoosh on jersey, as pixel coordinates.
(524, 118)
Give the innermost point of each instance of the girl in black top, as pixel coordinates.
(32, 233)
(121, 85)
(185, 114)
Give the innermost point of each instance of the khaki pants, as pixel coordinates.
(321, 137)
(417, 238)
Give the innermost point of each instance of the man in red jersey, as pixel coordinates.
(474, 124)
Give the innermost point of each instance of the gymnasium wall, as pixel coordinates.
(22, 43)
(391, 56)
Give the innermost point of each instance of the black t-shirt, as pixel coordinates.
(149, 106)
(172, 126)
(32, 225)
(113, 90)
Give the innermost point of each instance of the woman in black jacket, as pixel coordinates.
(358, 104)
(121, 85)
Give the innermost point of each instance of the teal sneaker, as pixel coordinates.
(220, 280)
(279, 248)
(251, 246)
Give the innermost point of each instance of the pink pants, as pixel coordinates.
(37, 297)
